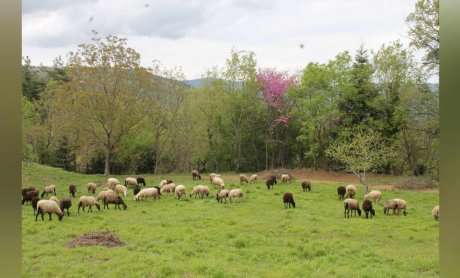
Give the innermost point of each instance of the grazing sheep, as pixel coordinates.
(271, 182)
(102, 194)
(212, 176)
(288, 199)
(351, 191)
(65, 203)
(121, 189)
(55, 199)
(112, 182)
(435, 213)
(285, 178)
(91, 186)
(50, 189)
(140, 180)
(180, 191)
(196, 190)
(170, 187)
(253, 178)
(306, 185)
(243, 178)
(341, 190)
(24, 190)
(116, 200)
(367, 208)
(374, 195)
(351, 205)
(87, 201)
(218, 182)
(235, 193)
(204, 191)
(136, 190)
(130, 181)
(400, 204)
(29, 195)
(165, 182)
(388, 204)
(34, 203)
(72, 190)
(50, 207)
(196, 175)
(147, 192)
(222, 194)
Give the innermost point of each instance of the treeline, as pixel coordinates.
(102, 112)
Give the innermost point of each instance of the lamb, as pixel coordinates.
(222, 194)
(367, 208)
(50, 207)
(116, 200)
(435, 213)
(196, 175)
(341, 190)
(170, 187)
(285, 178)
(374, 195)
(218, 182)
(91, 186)
(306, 185)
(34, 203)
(65, 203)
(102, 194)
(147, 192)
(87, 201)
(271, 182)
(288, 199)
(235, 193)
(212, 176)
(180, 191)
(351, 191)
(130, 181)
(243, 178)
(351, 205)
(29, 195)
(72, 190)
(253, 178)
(140, 180)
(55, 199)
(50, 189)
(111, 182)
(400, 204)
(121, 189)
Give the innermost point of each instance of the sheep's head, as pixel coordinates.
(359, 212)
(293, 204)
(98, 206)
(60, 216)
(372, 211)
(125, 206)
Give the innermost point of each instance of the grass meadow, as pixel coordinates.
(255, 238)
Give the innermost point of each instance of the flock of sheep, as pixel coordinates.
(110, 194)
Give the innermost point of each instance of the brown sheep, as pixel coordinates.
(288, 199)
(367, 208)
(72, 190)
(306, 185)
(196, 175)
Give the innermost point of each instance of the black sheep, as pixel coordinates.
(29, 195)
(271, 181)
(341, 190)
(288, 199)
(34, 203)
(367, 207)
(306, 185)
(65, 203)
(140, 180)
(72, 190)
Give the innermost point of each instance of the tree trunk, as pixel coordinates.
(108, 154)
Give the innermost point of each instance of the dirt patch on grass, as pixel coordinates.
(106, 239)
(416, 184)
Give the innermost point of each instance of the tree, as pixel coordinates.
(424, 32)
(360, 152)
(32, 84)
(104, 92)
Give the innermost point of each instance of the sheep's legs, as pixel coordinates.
(49, 213)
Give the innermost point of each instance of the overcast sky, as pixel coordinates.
(196, 35)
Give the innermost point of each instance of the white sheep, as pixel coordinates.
(170, 187)
(147, 192)
(112, 182)
(218, 182)
(130, 181)
(235, 193)
(388, 204)
(163, 183)
(400, 204)
(196, 190)
(48, 206)
(204, 191)
(91, 186)
(222, 194)
(351, 190)
(121, 189)
(50, 189)
(243, 178)
(374, 195)
(87, 201)
(351, 205)
(180, 191)
(253, 178)
(435, 213)
(55, 199)
(285, 178)
(213, 175)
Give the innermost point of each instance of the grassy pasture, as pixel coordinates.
(255, 238)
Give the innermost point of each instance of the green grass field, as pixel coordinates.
(254, 238)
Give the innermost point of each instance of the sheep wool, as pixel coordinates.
(50, 207)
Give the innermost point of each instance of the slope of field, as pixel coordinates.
(254, 238)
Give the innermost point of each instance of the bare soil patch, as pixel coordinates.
(105, 238)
